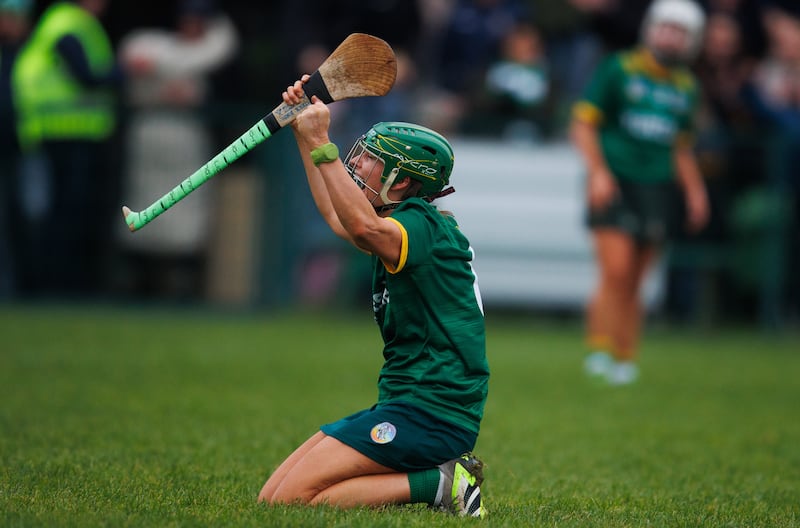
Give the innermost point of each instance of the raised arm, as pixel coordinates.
(341, 202)
(316, 184)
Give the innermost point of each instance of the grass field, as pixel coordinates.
(124, 417)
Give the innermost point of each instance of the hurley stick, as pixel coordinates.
(361, 66)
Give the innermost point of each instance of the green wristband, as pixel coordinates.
(325, 154)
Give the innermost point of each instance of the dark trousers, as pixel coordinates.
(69, 193)
(10, 224)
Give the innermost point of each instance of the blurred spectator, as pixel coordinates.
(15, 21)
(776, 80)
(730, 158)
(434, 18)
(747, 14)
(167, 139)
(511, 103)
(634, 130)
(473, 38)
(573, 52)
(468, 44)
(327, 22)
(727, 126)
(65, 83)
(775, 97)
(723, 69)
(616, 23)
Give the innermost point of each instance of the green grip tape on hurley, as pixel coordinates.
(256, 135)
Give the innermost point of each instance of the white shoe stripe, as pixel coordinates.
(476, 494)
(439, 493)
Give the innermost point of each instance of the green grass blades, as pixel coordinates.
(124, 417)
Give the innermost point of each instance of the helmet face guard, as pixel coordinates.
(407, 150)
(354, 159)
(685, 14)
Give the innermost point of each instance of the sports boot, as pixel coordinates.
(461, 492)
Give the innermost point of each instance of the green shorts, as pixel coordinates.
(648, 212)
(402, 436)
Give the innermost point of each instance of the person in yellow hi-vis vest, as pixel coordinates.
(65, 82)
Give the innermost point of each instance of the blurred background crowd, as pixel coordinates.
(173, 82)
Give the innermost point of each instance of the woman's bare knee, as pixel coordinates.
(285, 496)
(265, 496)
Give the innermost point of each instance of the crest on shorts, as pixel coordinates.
(383, 433)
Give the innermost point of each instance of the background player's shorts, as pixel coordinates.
(651, 213)
(402, 436)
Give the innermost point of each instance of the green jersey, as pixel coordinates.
(642, 111)
(431, 319)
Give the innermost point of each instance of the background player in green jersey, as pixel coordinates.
(633, 128)
(414, 444)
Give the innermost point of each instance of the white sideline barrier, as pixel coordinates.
(522, 208)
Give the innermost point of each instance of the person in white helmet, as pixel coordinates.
(634, 129)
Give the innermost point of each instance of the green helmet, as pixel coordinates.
(410, 150)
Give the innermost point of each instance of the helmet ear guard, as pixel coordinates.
(387, 184)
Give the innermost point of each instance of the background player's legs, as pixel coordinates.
(615, 253)
(627, 346)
